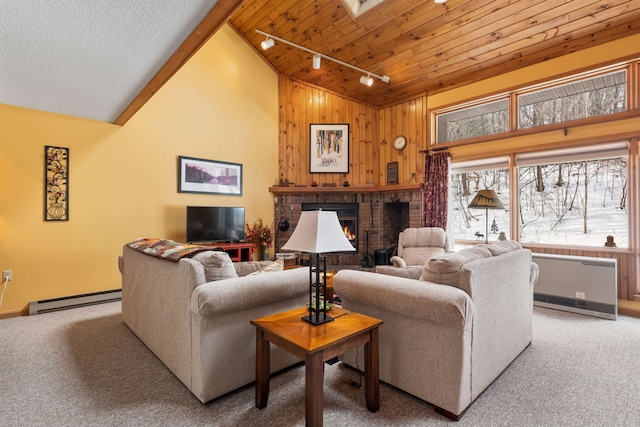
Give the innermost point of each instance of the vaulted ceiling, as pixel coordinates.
(422, 46)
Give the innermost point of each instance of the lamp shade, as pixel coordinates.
(318, 232)
(486, 199)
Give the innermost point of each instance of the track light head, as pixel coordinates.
(267, 43)
(366, 80)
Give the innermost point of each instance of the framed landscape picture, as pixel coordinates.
(209, 176)
(329, 148)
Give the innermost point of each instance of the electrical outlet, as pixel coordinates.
(7, 275)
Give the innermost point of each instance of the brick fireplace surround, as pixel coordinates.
(383, 212)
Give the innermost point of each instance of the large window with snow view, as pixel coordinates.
(466, 181)
(578, 202)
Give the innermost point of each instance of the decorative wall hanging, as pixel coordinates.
(392, 173)
(56, 183)
(329, 148)
(209, 176)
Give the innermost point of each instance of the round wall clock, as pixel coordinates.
(400, 142)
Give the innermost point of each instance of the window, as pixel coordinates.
(595, 96)
(574, 197)
(488, 118)
(466, 179)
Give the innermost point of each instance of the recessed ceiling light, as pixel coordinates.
(439, 1)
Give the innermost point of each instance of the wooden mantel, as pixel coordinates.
(342, 189)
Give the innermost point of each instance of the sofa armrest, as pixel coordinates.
(419, 299)
(240, 293)
(535, 273)
(411, 272)
(396, 261)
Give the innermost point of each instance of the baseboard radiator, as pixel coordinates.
(74, 301)
(584, 285)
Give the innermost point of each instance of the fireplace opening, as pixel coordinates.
(347, 215)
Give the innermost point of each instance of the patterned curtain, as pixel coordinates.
(436, 189)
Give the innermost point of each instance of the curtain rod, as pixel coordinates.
(385, 79)
(433, 150)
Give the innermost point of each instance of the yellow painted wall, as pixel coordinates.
(222, 105)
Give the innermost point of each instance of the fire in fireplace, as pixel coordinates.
(347, 215)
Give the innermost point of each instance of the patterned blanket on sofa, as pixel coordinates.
(167, 249)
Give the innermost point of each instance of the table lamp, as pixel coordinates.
(318, 232)
(486, 199)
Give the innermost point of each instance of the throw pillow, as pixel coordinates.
(277, 265)
(502, 247)
(444, 268)
(217, 265)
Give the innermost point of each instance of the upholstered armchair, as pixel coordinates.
(416, 245)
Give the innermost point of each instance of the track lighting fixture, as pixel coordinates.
(267, 43)
(366, 80)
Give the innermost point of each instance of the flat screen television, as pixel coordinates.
(215, 224)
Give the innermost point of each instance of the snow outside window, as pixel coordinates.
(579, 201)
(467, 178)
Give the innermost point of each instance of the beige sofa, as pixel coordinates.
(447, 336)
(200, 328)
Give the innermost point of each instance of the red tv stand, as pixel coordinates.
(237, 251)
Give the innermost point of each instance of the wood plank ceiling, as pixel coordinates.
(423, 46)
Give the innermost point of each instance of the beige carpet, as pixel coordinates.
(85, 367)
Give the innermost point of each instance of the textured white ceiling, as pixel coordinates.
(88, 58)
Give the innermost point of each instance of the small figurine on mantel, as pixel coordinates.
(610, 243)
(502, 236)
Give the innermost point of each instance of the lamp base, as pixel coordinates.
(319, 320)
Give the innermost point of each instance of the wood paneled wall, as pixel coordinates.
(410, 120)
(371, 135)
(372, 132)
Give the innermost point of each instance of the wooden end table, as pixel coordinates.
(315, 345)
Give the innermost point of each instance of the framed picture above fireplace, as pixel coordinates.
(329, 148)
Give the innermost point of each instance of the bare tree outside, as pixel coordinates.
(572, 202)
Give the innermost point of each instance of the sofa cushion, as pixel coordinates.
(277, 265)
(417, 256)
(504, 246)
(444, 268)
(217, 265)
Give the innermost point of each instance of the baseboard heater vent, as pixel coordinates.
(584, 285)
(74, 301)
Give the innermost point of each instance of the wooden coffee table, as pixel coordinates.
(315, 345)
